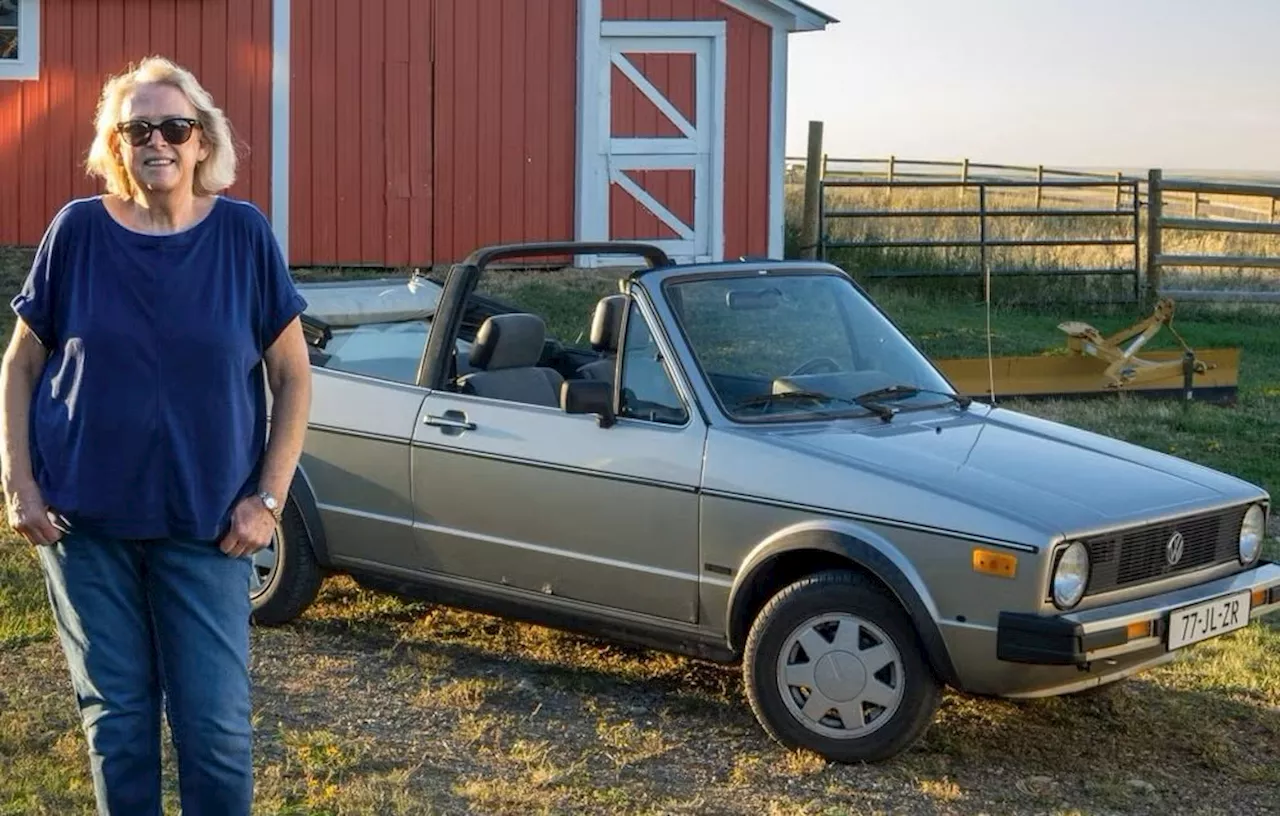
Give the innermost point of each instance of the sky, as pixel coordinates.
(1117, 84)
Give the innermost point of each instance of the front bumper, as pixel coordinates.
(1107, 632)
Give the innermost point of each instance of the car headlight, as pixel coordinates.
(1070, 576)
(1251, 533)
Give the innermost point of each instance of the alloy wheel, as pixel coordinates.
(840, 676)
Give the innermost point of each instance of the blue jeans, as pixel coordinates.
(142, 622)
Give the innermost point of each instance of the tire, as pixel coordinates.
(894, 691)
(283, 590)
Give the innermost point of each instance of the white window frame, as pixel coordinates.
(27, 65)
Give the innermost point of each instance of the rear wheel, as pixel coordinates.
(833, 664)
(286, 576)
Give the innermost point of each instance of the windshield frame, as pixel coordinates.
(841, 407)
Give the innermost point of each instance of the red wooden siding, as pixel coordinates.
(747, 99)
(505, 104)
(450, 133)
(46, 125)
(360, 186)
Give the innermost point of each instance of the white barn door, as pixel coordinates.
(655, 163)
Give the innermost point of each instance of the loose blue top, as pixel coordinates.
(150, 419)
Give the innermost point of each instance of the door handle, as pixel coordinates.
(451, 419)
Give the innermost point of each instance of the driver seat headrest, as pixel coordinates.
(509, 341)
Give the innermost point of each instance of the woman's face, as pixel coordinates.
(156, 165)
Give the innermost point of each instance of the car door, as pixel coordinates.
(356, 459)
(528, 496)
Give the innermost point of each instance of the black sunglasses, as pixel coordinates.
(175, 131)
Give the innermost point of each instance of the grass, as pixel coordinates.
(371, 704)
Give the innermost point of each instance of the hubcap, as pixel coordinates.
(263, 567)
(840, 676)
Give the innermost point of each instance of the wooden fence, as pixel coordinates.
(982, 217)
(1169, 204)
(1157, 222)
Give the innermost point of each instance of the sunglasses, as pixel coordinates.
(175, 131)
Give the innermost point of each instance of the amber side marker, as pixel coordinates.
(990, 562)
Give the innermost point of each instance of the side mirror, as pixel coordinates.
(588, 397)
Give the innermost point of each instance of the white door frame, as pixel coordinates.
(601, 159)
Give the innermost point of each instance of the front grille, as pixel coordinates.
(1138, 555)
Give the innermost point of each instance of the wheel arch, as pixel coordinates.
(811, 548)
(303, 496)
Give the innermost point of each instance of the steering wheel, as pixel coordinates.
(817, 365)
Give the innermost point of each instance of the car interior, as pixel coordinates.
(506, 354)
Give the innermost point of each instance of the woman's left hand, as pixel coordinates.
(252, 526)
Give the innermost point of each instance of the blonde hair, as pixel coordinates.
(213, 175)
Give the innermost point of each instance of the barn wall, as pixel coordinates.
(417, 157)
(747, 97)
(360, 160)
(46, 125)
(506, 96)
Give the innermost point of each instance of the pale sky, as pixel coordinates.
(1178, 84)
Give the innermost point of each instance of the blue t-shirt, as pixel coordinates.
(150, 419)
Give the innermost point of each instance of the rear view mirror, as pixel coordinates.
(738, 299)
(588, 397)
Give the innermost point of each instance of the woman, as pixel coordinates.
(135, 452)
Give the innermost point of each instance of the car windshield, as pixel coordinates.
(794, 345)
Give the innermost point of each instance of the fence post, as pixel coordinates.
(810, 226)
(1155, 212)
(1039, 185)
(982, 241)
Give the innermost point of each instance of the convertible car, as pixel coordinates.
(748, 462)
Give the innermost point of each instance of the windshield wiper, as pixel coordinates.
(883, 411)
(900, 390)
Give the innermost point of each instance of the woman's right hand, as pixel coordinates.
(29, 516)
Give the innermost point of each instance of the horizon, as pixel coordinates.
(1063, 84)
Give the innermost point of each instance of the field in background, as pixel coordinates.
(375, 705)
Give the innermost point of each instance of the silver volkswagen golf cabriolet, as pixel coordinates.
(748, 463)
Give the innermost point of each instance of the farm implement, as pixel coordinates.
(1094, 365)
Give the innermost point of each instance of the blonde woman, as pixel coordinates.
(135, 452)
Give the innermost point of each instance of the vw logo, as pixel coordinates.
(1173, 550)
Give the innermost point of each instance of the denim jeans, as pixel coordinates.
(146, 622)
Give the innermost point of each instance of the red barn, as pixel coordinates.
(449, 123)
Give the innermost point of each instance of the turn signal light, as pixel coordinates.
(999, 564)
(1259, 597)
(1140, 629)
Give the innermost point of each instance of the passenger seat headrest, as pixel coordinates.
(509, 341)
(606, 325)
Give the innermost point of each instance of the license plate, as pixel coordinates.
(1192, 624)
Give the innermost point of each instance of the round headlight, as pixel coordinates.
(1070, 576)
(1251, 533)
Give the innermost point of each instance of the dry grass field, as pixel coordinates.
(375, 705)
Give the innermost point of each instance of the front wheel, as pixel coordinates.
(286, 576)
(833, 664)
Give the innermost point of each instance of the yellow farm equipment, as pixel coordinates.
(1095, 365)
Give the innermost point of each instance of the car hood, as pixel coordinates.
(983, 462)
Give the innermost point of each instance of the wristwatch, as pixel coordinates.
(271, 503)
